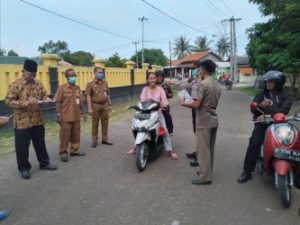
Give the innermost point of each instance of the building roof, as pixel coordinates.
(194, 57)
(176, 62)
(243, 60)
(62, 62)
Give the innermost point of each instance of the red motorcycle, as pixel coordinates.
(280, 154)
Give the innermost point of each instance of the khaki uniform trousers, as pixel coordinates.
(69, 135)
(206, 139)
(100, 112)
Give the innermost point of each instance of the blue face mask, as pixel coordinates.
(100, 76)
(73, 80)
(194, 73)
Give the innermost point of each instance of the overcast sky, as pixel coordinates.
(24, 27)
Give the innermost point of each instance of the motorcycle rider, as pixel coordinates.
(273, 99)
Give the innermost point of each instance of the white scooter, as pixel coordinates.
(147, 132)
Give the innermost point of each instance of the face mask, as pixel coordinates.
(100, 76)
(73, 80)
(194, 73)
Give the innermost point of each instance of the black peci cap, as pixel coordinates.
(30, 66)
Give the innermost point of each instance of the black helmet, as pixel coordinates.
(274, 75)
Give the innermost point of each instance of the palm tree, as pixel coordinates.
(201, 44)
(223, 47)
(182, 47)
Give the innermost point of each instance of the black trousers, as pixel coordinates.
(253, 150)
(22, 141)
(168, 119)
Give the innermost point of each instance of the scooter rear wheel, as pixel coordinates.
(141, 156)
(284, 190)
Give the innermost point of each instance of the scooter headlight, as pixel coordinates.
(284, 134)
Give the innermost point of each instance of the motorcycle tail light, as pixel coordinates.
(284, 134)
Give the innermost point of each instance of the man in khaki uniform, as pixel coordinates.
(69, 101)
(99, 105)
(24, 96)
(206, 97)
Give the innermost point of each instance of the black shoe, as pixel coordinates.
(107, 143)
(48, 167)
(25, 174)
(94, 144)
(64, 158)
(244, 177)
(192, 155)
(77, 154)
(194, 164)
(200, 182)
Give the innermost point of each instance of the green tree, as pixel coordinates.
(182, 47)
(201, 44)
(115, 61)
(2, 52)
(152, 56)
(12, 53)
(223, 47)
(51, 47)
(276, 43)
(79, 58)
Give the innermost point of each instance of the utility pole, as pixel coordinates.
(142, 20)
(233, 48)
(170, 50)
(136, 53)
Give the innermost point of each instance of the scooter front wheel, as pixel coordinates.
(284, 190)
(141, 156)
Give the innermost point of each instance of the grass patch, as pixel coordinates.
(251, 91)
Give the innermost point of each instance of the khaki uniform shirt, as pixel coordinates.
(98, 90)
(208, 93)
(19, 92)
(68, 101)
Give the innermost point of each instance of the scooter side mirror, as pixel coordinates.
(253, 105)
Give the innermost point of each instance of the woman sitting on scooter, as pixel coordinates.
(155, 92)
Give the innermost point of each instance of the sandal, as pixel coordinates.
(174, 156)
(131, 152)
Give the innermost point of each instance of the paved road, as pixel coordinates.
(105, 188)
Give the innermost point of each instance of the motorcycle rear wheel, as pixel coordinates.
(141, 156)
(284, 190)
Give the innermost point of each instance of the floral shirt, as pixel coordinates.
(19, 92)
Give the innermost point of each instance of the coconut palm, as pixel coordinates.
(223, 47)
(182, 47)
(201, 44)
